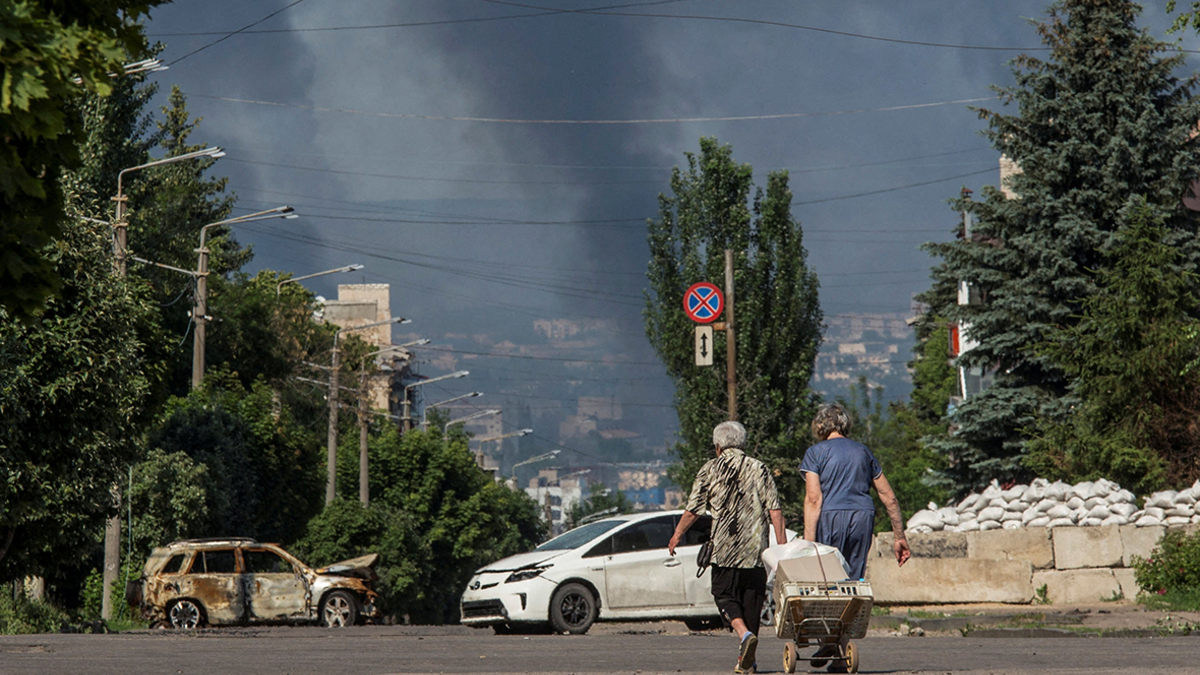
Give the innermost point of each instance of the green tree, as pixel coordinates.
(71, 393)
(263, 472)
(50, 53)
(1132, 357)
(1103, 118)
(777, 311)
(600, 500)
(434, 518)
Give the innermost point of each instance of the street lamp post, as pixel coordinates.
(200, 308)
(468, 418)
(408, 400)
(425, 410)
(331, 450)
(347, 268)
(364, 486)
(112, 529)
(121, 241)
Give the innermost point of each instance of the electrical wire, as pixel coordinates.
(243, 29)
(662, 120)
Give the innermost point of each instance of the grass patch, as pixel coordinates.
(1178, 599)
(880, 610)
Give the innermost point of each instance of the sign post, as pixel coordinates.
(704, 345)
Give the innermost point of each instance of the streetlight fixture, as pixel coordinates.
(347, 268)
(531, 460)
(408, 400)
(441, 403)
(200, 309)
(500, 437)
(468, 418)
(331, 450)
(120, 224)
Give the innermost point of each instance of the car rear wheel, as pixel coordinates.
(572, 609)
(339, 609)
(185, 615)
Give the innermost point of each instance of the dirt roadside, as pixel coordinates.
(1121, 617)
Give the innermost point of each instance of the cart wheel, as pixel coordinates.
(790, 656)
(846, 661)
(852, 657)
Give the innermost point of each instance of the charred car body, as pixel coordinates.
(232, 581)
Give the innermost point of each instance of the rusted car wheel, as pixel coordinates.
(573, 609)
(185, 614)
(339, 609)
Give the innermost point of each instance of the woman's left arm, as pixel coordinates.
(812, 504)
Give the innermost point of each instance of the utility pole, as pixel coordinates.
(364, 490)
(730, 345)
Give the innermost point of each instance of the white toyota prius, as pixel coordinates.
(616, 569)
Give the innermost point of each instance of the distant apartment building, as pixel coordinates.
(359, 305)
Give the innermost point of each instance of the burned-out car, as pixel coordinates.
(241, 581)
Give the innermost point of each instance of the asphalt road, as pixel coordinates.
(631, 649)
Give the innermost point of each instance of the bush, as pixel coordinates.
(21, 615)
(1171, 575)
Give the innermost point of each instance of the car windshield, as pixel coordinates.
(580, 535)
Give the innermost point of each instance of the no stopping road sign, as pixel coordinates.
(703, 302)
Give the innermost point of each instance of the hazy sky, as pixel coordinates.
(495, 161)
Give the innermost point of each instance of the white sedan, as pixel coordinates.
(616, 569)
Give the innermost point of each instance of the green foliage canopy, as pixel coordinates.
(777, 314)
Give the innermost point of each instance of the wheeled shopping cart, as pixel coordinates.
(817, 614)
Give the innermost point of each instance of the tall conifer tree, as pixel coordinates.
(1102, 119)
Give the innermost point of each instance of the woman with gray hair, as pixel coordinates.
(838, 476)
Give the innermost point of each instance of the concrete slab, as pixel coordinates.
(1125, 578)
(950, 580)
(1138, 541)
(928, 544)
(1077, 547)
(1087, 586)
(1028, 543)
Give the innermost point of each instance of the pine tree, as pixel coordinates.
(778, 316)
(1103, 118)
(1133, 357)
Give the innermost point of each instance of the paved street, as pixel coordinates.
(614, 649)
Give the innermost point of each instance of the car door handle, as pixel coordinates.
(671, 562)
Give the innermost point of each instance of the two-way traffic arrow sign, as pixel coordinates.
(704, 345)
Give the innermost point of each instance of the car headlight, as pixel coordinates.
(524, 575)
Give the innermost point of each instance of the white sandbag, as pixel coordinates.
(1075, 503)
(1124, 510)
(1090, 522)
(926, 518)
(1014, 492)
(1011, 525)
(971, 525)
(991, 513)
(1196, 518)
(1045, 505)
(1156, 512)
(1078, 514)
(1101, 488)
(1099, 511)
(1057, 491)
(1178, 520)
(1040, 521)
(1185, 497)
(1093, 501)
(1011, 516)
(1163, 500)
(1081, 490)
(921, 529)
(1060, 522)
(948, 515)
(1115, 519)
(1059, 511)
(985, 525)
(1148, 521)
(999, 502)
(1029, 514)
(1017, 505)
(968, 503)
(1039, 483)
(1122, 497)
(991, 491)
(1181, 510)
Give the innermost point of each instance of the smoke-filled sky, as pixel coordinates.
(495, 161)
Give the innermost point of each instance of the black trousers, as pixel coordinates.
(740, 593)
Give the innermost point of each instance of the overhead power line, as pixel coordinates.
(231, 34)
(657, 120)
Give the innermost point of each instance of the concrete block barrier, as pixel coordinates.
(1080, 547)
(950, 580)
(1087, 586)
(1028, 543)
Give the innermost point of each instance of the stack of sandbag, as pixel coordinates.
(1040, 504)
(1170, 508)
